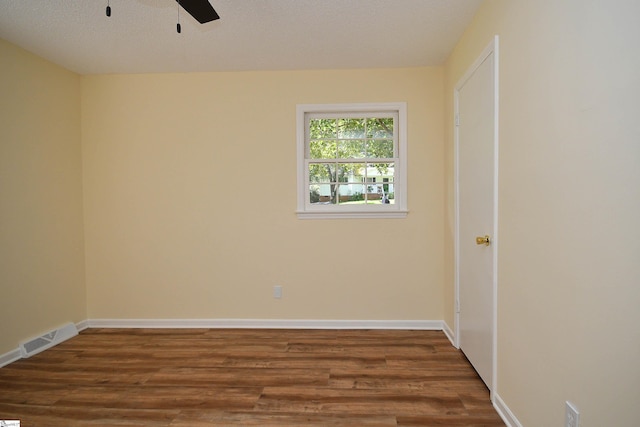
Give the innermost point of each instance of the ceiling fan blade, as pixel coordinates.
(201, 10)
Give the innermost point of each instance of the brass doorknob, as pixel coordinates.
(483, 240)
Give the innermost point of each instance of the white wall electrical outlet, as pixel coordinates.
(572, 416)
(277, 291)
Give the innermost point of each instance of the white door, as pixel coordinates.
(476, 166)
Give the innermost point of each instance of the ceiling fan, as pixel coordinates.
(201, 10)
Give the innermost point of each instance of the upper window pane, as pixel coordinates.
(323, 149)
(351, 128)
(380, 128)
(322, 129)
(380, 149)
(351, 149)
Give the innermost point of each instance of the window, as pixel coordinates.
(352, 160)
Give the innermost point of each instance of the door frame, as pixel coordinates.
(492, 48)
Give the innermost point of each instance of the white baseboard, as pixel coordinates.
(81, 326)
(449, 333)
(10, 357)
(505, 413)
(436, 325)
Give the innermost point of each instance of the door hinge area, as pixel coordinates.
(457, 119)
(458, 306)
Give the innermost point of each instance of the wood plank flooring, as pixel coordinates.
(228, 377)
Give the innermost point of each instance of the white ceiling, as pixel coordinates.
(140, 36)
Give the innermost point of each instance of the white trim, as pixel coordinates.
(397, 210)
(449, 333)
(426, 325)
(343, 215)
(496, 228)
(505, 413)
(492, 48)
(10, 357)
(81, 326)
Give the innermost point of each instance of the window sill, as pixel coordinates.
(351, 215)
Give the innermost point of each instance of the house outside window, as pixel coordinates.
(352, 160)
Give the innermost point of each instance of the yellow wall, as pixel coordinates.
(190, 187)
(569, 188)
(41, 223)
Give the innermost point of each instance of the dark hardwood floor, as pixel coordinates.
(230, 377)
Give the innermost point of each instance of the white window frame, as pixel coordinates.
(306, 210)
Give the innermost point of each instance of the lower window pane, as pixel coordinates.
(324, 194)
(380, 170)
(351, 183)
(348, 172)
(322, 172)
(352, 194)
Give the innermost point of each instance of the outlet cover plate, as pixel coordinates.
(277, 292)
(572, 416)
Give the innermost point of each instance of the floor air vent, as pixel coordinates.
(48, 340)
